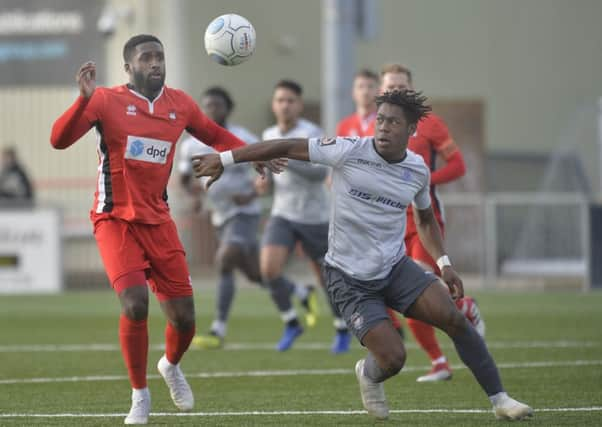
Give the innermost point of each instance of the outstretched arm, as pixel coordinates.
(430, 236)
(309, 171)
(212, 165)
(80, 117)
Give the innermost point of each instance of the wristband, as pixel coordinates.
(226, 158)
(443, 262)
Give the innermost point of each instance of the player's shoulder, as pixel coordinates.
(177, 95)
(190, 146)
(308, 126)
(415, 161)
(270, 132)
(109, 92)
(431, 122)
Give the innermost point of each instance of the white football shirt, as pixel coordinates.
(296, 197)
(369, 201)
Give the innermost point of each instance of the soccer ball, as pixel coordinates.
(230, 39)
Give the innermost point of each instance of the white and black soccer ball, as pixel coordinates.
(230, 39)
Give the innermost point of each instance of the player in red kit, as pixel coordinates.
(431, 140)
(138, 125)
(364, 92)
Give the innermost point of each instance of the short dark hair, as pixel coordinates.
(221, 93)
(130, 45)
(291, 85)
(396, 69)
(412, 103)
(367, 74)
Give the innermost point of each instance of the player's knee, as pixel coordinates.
(254, 277)
(227, 260)
(455, 323)
(270, 272)
(394, 360)
(183, 321)
(135, 309)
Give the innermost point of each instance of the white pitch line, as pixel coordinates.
(35, 348)
(289, 372)
(285, 413)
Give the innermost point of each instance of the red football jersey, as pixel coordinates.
(136, 146)
(354, 125)
(432, 138)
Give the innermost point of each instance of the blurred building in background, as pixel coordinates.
(517, 81)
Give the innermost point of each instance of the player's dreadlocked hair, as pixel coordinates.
(412, 103)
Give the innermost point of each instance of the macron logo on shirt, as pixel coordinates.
(147, 149)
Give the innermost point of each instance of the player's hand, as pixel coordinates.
(207, 165)
(86, 79)
(274, 166)
(262, 185)
(453, 282)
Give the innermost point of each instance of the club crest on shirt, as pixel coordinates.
(328, 141)
(131, 110)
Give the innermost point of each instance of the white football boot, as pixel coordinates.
(141, 406)
(373, 394)
(506, 408)
(180, 391)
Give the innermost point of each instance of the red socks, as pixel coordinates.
(394, 318)
(425, 336)
(133, 337)
(176, 343)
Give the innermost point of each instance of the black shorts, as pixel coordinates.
(240, 230)
(363, 304)
(282, 232)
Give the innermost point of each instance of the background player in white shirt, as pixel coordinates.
(299, 215)
(235, 213)
(374, 182)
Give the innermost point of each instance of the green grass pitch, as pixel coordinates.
(59, 356)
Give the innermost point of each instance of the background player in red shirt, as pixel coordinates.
(431, 140)
(138, 125)
(364, 92)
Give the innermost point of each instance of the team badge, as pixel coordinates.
(328, 141)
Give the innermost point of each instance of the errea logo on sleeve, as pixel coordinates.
(147, 149)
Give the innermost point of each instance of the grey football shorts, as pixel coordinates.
(240, 230)
(363, 304)
(282, 232)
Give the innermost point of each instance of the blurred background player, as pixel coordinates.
(135, 235)
(15, 186)
(235, 213)
(299, 214)
(431, 140)
(364, 92)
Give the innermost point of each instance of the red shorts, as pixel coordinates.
(152, 249)
(417, 252)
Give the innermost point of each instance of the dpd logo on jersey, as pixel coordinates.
(136, 148)
(147, 149)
